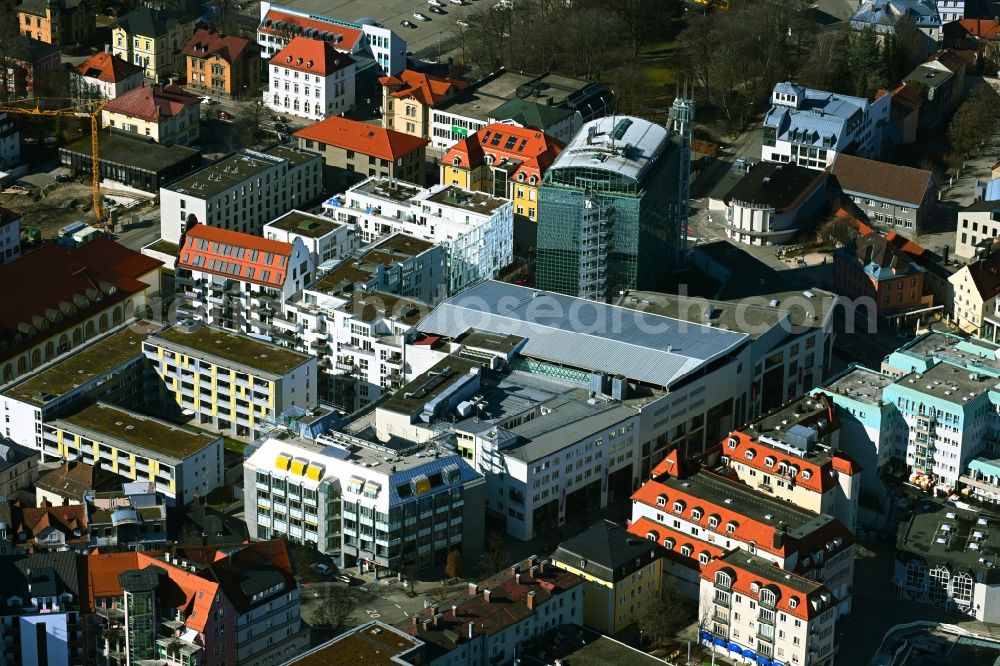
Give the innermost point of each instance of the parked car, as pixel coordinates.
(407, 24)
(438, 10)
(63, 178)
(435, 3)
(458, 2)
(320, 567)
(345, 579)
(421, 17)
(462, 24)
(225, 115)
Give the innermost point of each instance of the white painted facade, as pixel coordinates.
(10, 237)
(951, 10)
(242, 192)
(10, 143)
(335, 243)
(297, 90)
(477, 230)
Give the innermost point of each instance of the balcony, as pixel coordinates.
(345, 366)
(721, 601)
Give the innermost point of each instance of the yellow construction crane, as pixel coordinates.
(91, 110)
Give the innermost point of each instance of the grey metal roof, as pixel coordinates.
(623, 144)
(609, 550)
(569, 422)
(583, 334)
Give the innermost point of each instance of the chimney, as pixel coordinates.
(779, 536)
(416, 620)
(437, 618)
(530, 600)
(473, 589)
(454, 611)
(541, 567)
(427, 624)
(434, 609)
(470, 631)
(486, 596)
(533, 571)
(533, 560)
(514, 569)
(517, 578)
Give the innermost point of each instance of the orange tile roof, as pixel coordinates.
(222, 248)
(742, 578)
(426, 89)
(820, 478)
(532, 150)
(674, 541)
(984, 28)
(295, 24)
(363, 138)
(312, 56)
(106, 67)
(153, 103)
(228, 47)
(189, 591)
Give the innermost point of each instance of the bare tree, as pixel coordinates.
(665, 616)
(453, 567)
(495, 555)
(335, 608)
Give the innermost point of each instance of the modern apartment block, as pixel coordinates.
(378, 506)
(227, 382)
(608, 210)
(179, 461)
(812, 127)
(238, 281)
(476, 229)
(361, 39)
(326, 240)
(241, 192)
(498, 615)
(754, 611)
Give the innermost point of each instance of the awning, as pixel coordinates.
(735, 647)
(282, 461)
(704, 635)
(749, 653)
(720, 641)
(354, 485)
(763, 661)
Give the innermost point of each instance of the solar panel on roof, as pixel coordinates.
(511, 141)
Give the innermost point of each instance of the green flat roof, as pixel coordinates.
(98, 358)
(232, 348)
(143, 432)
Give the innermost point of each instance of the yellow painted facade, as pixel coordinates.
(611, 606)
(522, 194)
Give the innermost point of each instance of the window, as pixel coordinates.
(678, 506)
(793, 603)
(722, 579)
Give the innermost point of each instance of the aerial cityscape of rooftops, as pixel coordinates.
(500, 332)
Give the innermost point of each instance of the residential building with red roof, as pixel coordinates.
(353, 151)
(700, 512)
(310, 79)
(223, 65)
(166, 113)
(378, 47)
(756, 613)
(104, 76)
(253, 277)
(66, 297)
(496, 615)
(904, 111)
(60, 23)
(971, 33)
(409, 98)
(504, 160)
(206, 604)
(791, 454)
(48, 527)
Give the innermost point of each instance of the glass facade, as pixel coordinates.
(600, 232)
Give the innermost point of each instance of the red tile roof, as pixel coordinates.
(312, 56)
(33, 521)
(950, 59)
(821, 478)
(362, 138)
(60, 287)
(153, 103)
(185, 590)
(906, 97)
(228, 47)
(531, 150)
(742, 577)
(294, 25)
(974, 27)
(426, 89)
(106, 67)
(222, 248)
(674, 541)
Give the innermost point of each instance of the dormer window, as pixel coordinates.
(767, 597)
(686, 550)
(696, 513)
(754, 588)
(783, 468)
(713, 521)
(733, 442)
(456, 160)
(678, 506)
(652, 536)
(769, 461)
(520, 176)
(669, 544)
(806, 474)
(533, 180)
(489, 159)
(661, 500)
(750, 453)
(731, 527)
(722, 579)
(703, 557)
(793, 603)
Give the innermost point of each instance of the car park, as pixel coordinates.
(421, 17)
(438, 10)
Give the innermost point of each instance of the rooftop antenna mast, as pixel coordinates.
(680, 124)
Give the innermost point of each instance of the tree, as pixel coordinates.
(453, 566)
(665, 616)
(14, 46)
(438, 593)
(974, 122)
(865, 63)
(825, 67)
(495, 555)
(335, 608)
